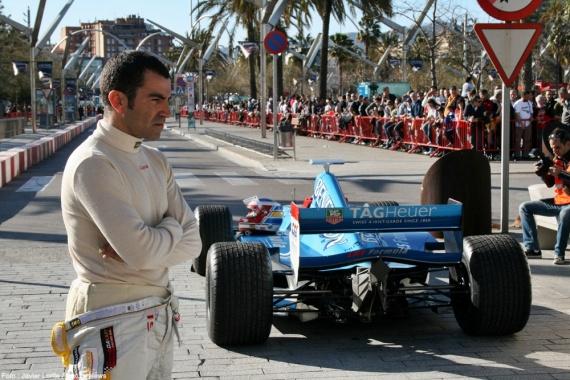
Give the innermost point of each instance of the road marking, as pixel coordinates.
(285, 178)
(235, 179)
(187, 180)
(36, 184)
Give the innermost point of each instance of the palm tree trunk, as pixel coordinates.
(325, 51)
(528, 83)
(252, 60)
(340, 92)
(432, 48)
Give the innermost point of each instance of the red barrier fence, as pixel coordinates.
(400, 133)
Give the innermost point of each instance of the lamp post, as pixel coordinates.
(191, 44)
(36, 45)
(76, 55)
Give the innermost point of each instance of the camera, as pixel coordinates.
(543, 164)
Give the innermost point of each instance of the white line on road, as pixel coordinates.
(235, 179)
(36, 184)
(286, 178)
(187, 180)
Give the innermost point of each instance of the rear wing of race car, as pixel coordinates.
(408, 218)
(378, 219)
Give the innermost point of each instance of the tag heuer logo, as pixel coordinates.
(333, 216)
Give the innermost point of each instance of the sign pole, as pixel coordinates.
(275, 107)
(505, 153)
(262, 82)
(33, 87)
(201, 85)
(508, 46)
(275, 42)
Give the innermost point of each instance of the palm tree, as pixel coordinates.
(369, 34)
(243, 13)
(295, 14)
(385, 41)
(341, 40)
(555, 19)
(337, 8)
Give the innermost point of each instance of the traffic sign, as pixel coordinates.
(508, 46)
(509, 10)
(275, 42)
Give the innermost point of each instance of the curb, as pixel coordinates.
(15, 161)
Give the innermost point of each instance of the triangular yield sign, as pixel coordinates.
(508, 46)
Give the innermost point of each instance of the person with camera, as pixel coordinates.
(555, 173)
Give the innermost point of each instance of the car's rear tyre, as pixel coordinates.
(239, 293)
(384, 203)
(496, 275)
(215, 223)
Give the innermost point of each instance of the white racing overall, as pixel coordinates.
(127, 340)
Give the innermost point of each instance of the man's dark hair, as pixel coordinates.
(561, 134)
(125, 72)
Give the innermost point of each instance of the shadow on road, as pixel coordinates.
(424, 342)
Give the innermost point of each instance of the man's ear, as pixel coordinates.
(118, 101)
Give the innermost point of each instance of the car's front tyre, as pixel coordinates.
(215, 222)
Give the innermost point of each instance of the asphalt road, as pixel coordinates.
(36, 273)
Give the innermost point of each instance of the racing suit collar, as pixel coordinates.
(117, 138)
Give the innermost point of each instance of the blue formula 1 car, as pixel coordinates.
(331, 259)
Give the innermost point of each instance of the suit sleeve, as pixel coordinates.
(190, 244)
(108, 204)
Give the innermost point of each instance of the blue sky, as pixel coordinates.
(175, 14)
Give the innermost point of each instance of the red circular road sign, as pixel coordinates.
(509, 10)
(275, 42)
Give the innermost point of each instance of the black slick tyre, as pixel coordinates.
(493, 287)
(239, 293)
(215, 223)
(384, 203)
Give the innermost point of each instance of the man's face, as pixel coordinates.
(513, 95)
(558, 148)
(150, 107)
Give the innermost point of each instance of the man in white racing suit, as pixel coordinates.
(127, 223)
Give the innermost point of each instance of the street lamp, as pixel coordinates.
(36, 45)
(76, 55)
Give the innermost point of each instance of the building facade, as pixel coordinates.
(109, 37)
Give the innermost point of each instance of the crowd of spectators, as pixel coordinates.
(439, 109)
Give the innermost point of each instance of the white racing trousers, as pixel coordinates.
(131, 340)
